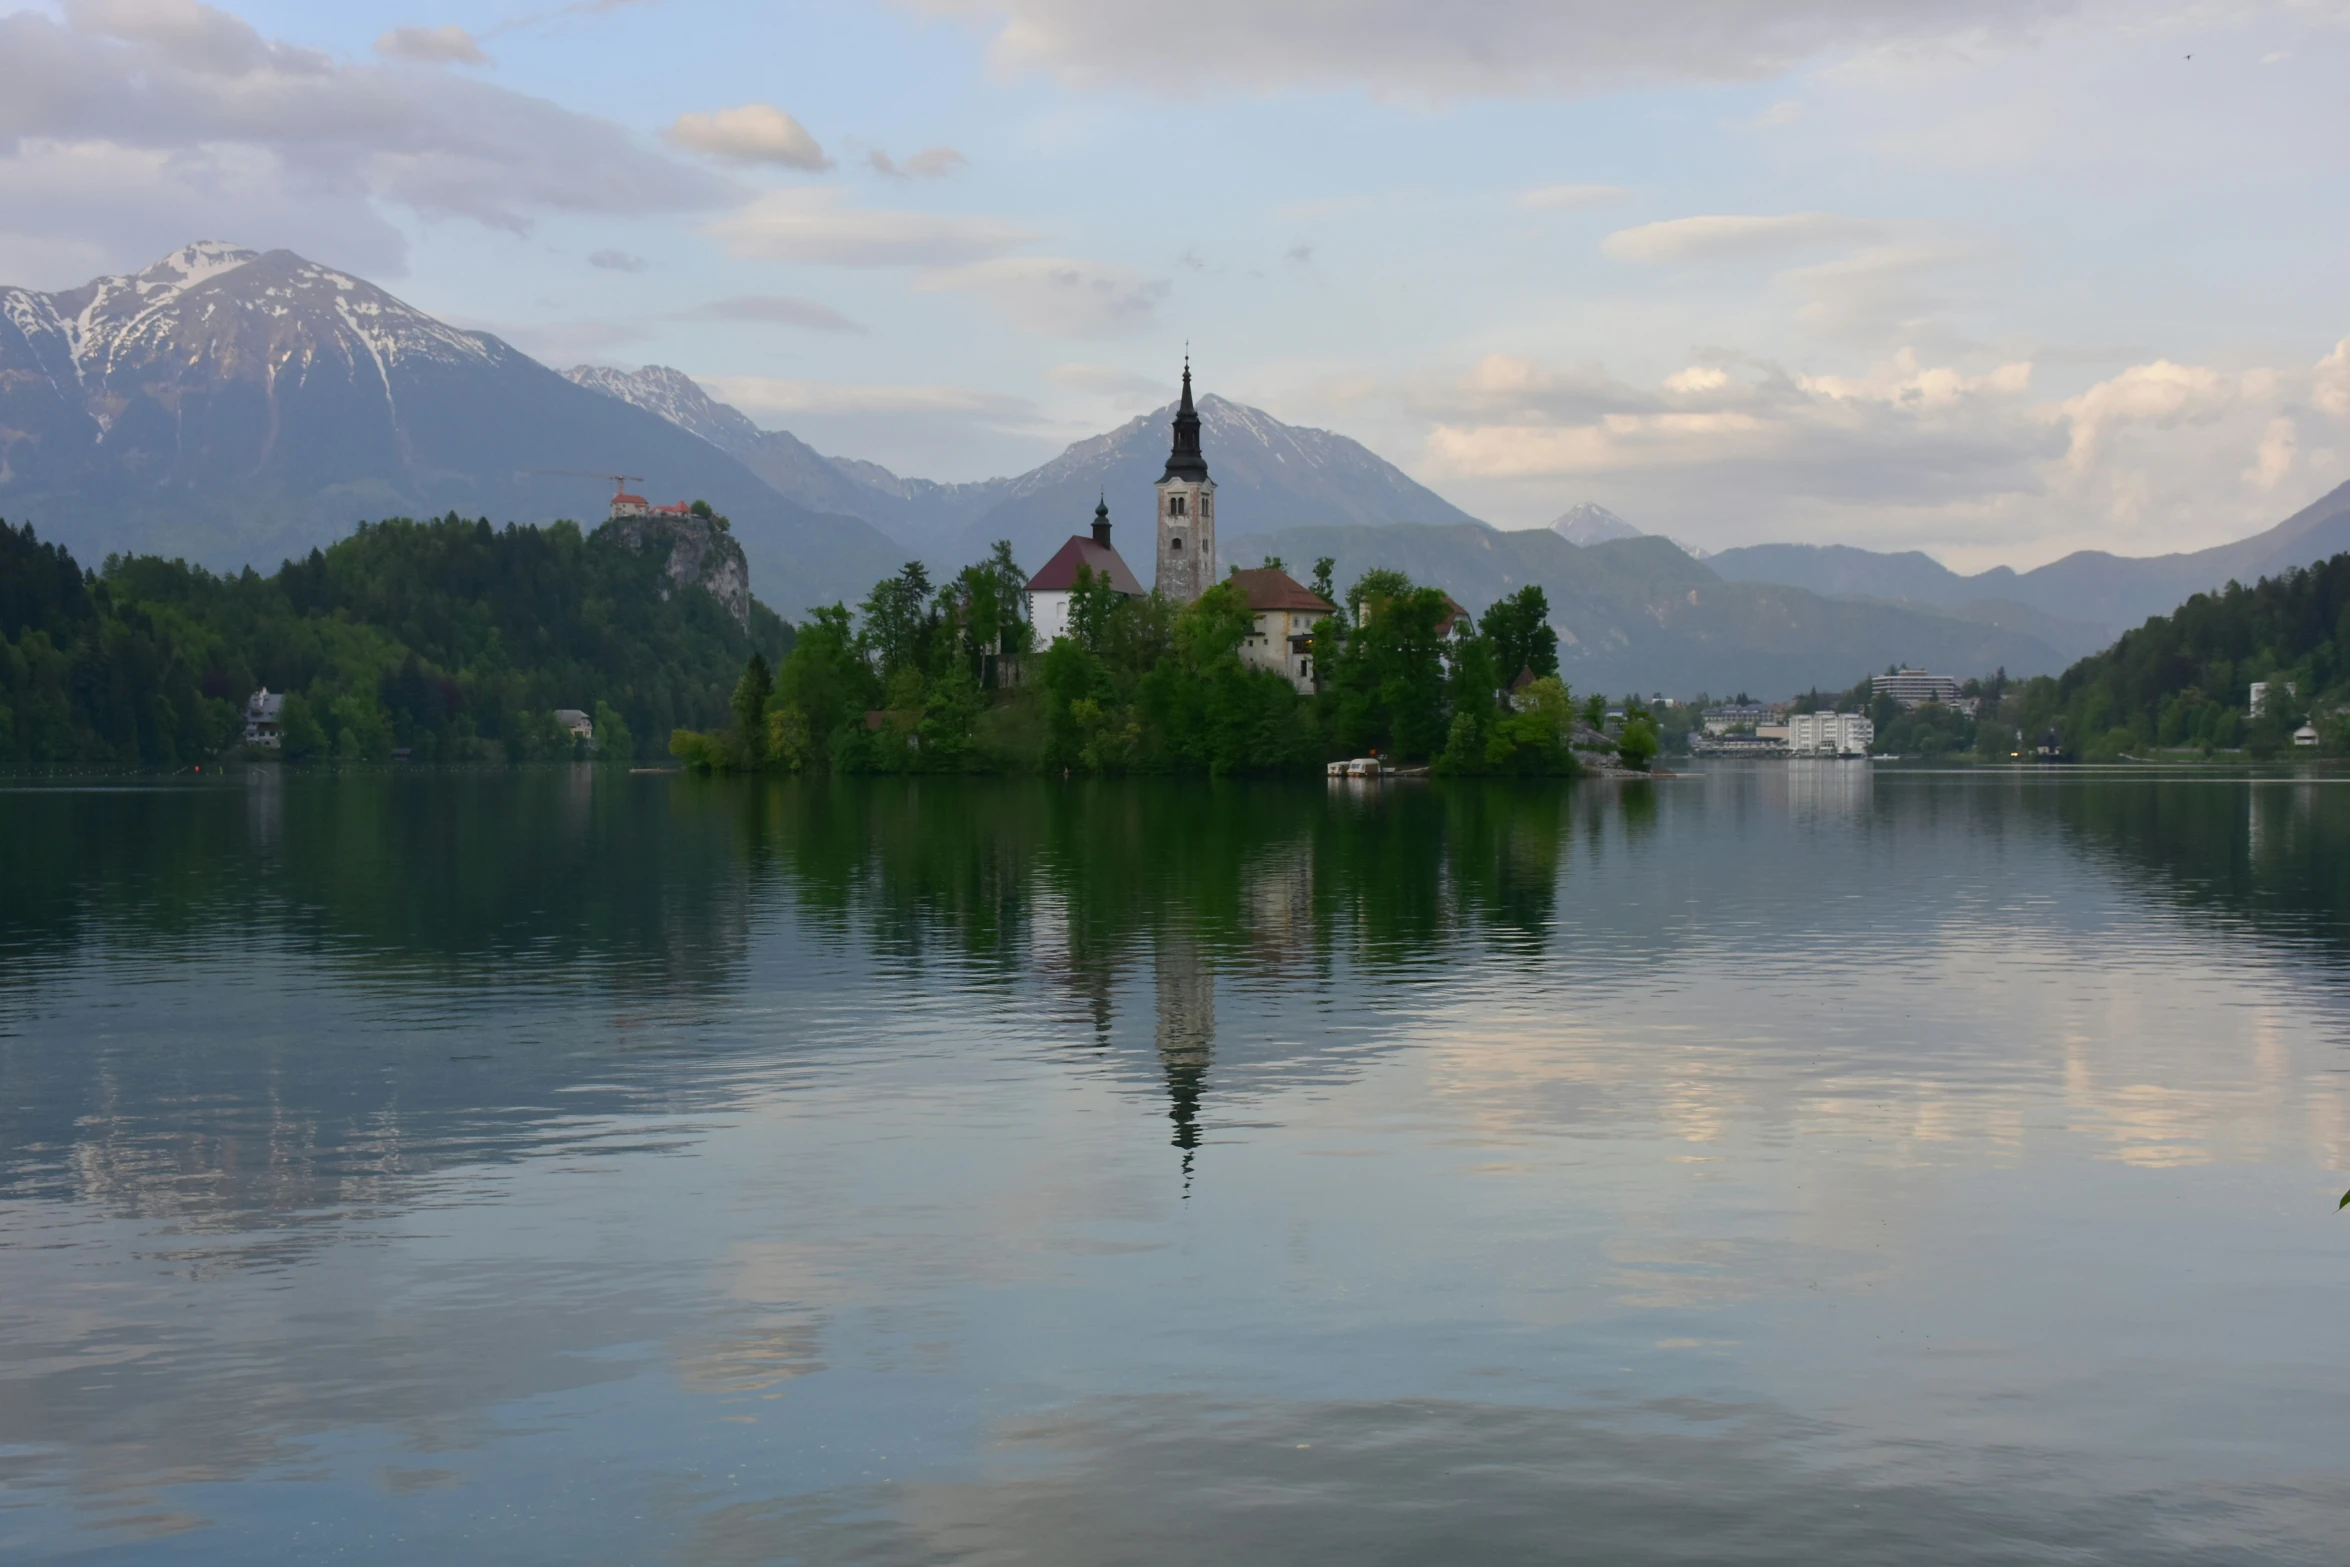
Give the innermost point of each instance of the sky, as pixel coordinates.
(1995, 280)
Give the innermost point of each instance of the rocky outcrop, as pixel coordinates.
(702, 554)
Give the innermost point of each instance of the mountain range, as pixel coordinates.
(233, 406)
(2098, 593)
(1267, 474)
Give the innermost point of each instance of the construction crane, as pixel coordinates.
(617, 479)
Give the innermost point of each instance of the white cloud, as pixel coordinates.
(748, 133)
(2274, 460)
(1471, 48)
(2158, 457)
(1056, 297)
(617, 261)
(783, 398)
(449, 45)
(72, 210)
(1572, 198)
(197, 94)
(1730, 236)
(814, 226)
(1698, 378)
(1885, 292)
(930, 163)
(779, 309)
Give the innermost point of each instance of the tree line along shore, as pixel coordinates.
(448, 640)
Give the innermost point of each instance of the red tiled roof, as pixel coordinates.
(628, 500)
(1060, 573)
(1269, 587)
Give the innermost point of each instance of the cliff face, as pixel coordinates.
(701, 555)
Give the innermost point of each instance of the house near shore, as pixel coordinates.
(265, 719)
(1282, 636)
(576, 724)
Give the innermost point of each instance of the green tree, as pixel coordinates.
(897, 622)
(1637, 746)
(750, 709)
(300, 736)
(827, 683)
(613, 741)
(1519, 629)
(1386, 688)
(1323, 567)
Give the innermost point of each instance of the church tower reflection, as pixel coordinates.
(1186, 1036)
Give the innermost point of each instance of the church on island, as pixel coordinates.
(1281, 638)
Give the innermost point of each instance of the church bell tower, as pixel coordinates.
(1187, 510)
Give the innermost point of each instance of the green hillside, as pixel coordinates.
(449, 638)
(2184, 679)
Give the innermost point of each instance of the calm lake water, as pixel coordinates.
(1791, 1164)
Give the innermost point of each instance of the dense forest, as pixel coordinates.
(448, 639)
(944, 678)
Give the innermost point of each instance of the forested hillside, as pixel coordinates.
(449, 638)
(2184, 679)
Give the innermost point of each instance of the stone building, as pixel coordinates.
(1187, 510)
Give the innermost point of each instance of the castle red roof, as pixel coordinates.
(1060, 573)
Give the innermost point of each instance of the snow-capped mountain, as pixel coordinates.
(676, 397)
(235, 406)
(1592, 523)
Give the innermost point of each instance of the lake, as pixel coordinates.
(1790, 1163)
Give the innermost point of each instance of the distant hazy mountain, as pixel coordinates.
(1268, 475)
(235, 407)
(2096, 594)
(920, 515)
(1591, 523)
(1641, 614)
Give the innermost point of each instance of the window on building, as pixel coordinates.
(1175, 543)
(1174, 505)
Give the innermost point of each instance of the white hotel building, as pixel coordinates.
(1829, 734)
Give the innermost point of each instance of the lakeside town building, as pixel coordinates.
(265, 719)
(1829, 734)
(1914, 688)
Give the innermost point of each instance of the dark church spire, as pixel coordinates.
(1185, 461)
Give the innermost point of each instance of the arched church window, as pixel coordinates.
(1175, 543)
(1174, 505)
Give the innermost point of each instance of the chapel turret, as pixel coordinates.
(1187, 510)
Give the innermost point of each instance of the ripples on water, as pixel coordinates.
(1778, 1165)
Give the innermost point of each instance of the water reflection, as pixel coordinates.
(572, 1163)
